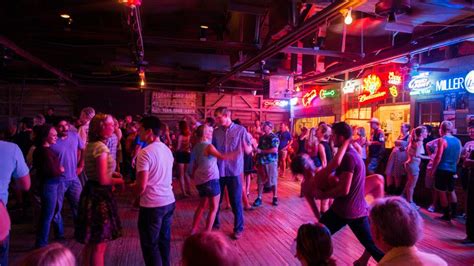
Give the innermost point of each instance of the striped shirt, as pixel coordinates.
(94, 150)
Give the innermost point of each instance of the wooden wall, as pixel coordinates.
(17, 101)
(23, 100)
(246, 108)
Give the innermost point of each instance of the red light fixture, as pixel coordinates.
(131, 3)
(141, 74)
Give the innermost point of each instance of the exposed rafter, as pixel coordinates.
(35, 60)
(414, 47)
(307, 28)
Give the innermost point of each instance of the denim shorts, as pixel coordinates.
(211, 188)
(373, 163)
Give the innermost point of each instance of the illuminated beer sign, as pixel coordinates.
(372, 90)
(423, 83)
(420, 84)
(394, 78)
(469, 82)
(278, 103)
(351, 86)
(309, 97)
(323, 94)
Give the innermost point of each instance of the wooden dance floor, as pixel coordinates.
(268, 236)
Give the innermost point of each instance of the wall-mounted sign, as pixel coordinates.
(323, 94)
(393, 91)
(420, 84)
(173, 102)
(424, 83)
(394, 78)
(277, 103)
(309, 97)
(351, 86)
(469, 82)
(372, 90)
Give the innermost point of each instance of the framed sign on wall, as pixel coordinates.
(173, 102)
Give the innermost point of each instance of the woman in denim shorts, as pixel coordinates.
(204, 171)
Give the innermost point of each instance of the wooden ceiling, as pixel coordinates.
(96, 45)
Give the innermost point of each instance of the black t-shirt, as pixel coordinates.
(376, 150)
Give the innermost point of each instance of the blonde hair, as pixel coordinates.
(447, 126)
(95, 127)
(325, 130)
(51, 255)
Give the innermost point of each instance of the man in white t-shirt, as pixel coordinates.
(157, 203)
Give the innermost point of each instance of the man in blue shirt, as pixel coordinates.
(267, 157)
(69, 148)
(12, 165)
(230, 137)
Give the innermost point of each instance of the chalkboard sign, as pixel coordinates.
(173, 102)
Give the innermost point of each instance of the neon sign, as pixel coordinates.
(469, 82)
(393, 91)
(323, 94)
(294, 101)
(420, 84)
(351, 86)
(394, 79)
(279, 103)
(309, 97)
(371, 90)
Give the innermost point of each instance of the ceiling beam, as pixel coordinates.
(35, 60)
(190, 43)
(304, 30)
(311, 51)
(412, 48)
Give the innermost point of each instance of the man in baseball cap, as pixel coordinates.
(267, 159)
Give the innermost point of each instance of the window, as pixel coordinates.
(429, 113)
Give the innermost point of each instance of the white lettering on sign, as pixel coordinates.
(450, 84)
(469, 82)
(394, 79)
(351, 85)
(420, 84)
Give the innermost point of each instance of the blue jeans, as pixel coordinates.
(154, 228)
(4, 247)
(49, 199)
(72, 190)
(234, 188)
(360, 227)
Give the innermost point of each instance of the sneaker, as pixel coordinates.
(257, 202)
(236, 235)
(275, 201)
(431, 208)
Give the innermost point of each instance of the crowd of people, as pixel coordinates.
(85, 160)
